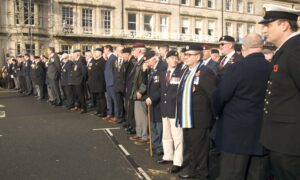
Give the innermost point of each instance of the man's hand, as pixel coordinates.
(148, 101)
(138, 95)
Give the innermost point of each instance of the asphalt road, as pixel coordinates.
(41, 142)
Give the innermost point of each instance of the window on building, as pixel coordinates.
(240, 32)
(67, 16)
(148, 22)
(87, 20)
(250, 28)
(211, 4)
(86, 48)
(106, 21)
(228, 30)
(132, 21)
(185, 24)
(30, 48)
(66, 49)
(164, 24)
(29, 12)
(228, 6)
(185, 2)
(240, 6)
(198, 26)
(198, 3)
(250, 8)
(18, 52)
(17, 12)
(164, 1)
(211, 28)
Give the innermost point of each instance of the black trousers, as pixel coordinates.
(29, 88)
(120, 104)
(55, 90)
(68, 92)
(197, 144)
(285, 167)
(242, 167)
(78, 91)
(22, 83)
(101, 106)
(129, 116)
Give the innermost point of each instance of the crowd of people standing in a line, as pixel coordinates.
(231, 117)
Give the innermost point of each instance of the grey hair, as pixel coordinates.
(253, 40)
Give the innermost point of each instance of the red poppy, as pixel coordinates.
(275, 67)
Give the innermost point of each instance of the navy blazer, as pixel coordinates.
(168, 94)
(154, 89)
(238, 103)
(109, 70)
(96, 79)
(66, 69)
(281, 125)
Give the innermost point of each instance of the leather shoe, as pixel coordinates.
(187, 176)
(82, 111)
(108, 117)
(140, 142)
(175, 169)
(102, 115)
(134, 138)
(161, 161)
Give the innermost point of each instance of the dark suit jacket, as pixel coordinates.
(109, 70)
(96, 80)
(281, 125)
(169, 94)
(38, 73)
(235, 58)
(154, 90)
(202, 111)
(66, 73)
(238, 103)
(79, 72)
(129, 76)
(27, 68)
(54, 67)
(213, 66)
(119, 76)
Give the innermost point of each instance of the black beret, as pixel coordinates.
(60, 53)
(172, 53)
(76, 51)
(127, 50)
(183, 50)
(214, 51)
(149, 54)
(99, 49)
(36, 57)
(227, 38)
(88, 50)
(193, 47)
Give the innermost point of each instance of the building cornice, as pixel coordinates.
(148, 10)
(239, 20)
(86, 5)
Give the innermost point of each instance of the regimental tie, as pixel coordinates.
(168, 78)
(222, 62)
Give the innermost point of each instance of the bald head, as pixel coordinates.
(252, 43)
(253, 40)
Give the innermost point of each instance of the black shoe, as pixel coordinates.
(187, 176)
(175, 169)
(161, 161)
(102, 115)
(159, 153)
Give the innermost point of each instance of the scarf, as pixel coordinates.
(186, 118)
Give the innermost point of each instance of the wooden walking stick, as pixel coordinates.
(150, 136)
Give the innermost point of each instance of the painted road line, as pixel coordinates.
(102, 129)
(140, 172)
(2, 114)
(2, 106)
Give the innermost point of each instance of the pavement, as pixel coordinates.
(42, 142)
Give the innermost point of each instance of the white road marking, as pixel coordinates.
(144, 173)
(124, 150)
(103, 129)
(2, 106)
(2, 114)
(1, 135)
(109, 132)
